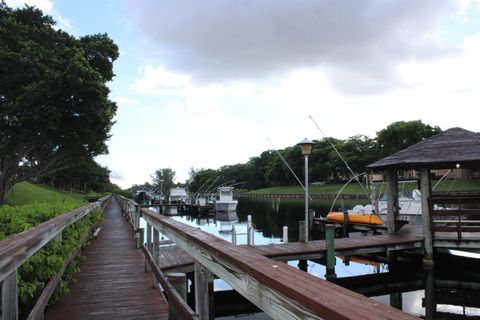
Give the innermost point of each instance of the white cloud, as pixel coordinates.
(161, 81)
(358, 44)
(126, 101)
(44, 5)
(47, 7)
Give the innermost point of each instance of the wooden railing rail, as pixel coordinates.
(16, 249)
(457, 213)
(281, 291)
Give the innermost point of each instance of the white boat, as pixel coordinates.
(225, 202)
(177, 196)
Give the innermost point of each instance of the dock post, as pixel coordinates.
(430, 305)
(330, 236)
(311, 214)
(179, 282)
(345, 224)
(301, 231)
(234, 235)
(249, 231)
(201, 291)
(10, 297)
(392, 200)
(285, 234)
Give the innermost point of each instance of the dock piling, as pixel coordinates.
(179, 282)
(329, 237)
(249, 231)
(345, 224)
(301, 231)
(285, 234)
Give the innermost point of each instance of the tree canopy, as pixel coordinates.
(54, 105)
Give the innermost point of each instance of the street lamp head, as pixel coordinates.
(306, 146)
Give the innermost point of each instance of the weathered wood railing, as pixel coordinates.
(281, 291)
(454, 213)
(16, 249)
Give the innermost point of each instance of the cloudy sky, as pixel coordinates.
(204, 83)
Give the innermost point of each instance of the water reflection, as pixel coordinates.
(451, 291)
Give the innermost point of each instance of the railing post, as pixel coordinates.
(285, 234)
(201, 291)
(330, 236)
(179, 282)
(10, 297)
(136, 222)
(155, 253)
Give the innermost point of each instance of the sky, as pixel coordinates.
(202, 84)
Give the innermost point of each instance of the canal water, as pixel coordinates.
(453, 289)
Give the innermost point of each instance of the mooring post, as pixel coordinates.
(201, 291)
(234, 235)
(10, 297)
(330, 236)
(285, 234)
(179, 282)
(301, 231)
(430, 305)
(345, 224)
(249, 231)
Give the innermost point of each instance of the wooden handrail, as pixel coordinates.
(276, 288)
(17, 248)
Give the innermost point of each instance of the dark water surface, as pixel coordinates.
(453, 288)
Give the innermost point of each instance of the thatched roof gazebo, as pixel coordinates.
(452, 148)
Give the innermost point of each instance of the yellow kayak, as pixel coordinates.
(366, 218)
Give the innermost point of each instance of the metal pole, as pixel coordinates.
(306, 198)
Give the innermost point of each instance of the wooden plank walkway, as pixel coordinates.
(112, 283)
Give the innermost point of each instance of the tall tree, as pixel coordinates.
(163, 178)
(401, 134)
(54, 102)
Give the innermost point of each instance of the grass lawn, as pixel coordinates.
(25, 192)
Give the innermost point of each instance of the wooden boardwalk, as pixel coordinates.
(112, 283)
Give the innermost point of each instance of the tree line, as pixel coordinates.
(325, 165)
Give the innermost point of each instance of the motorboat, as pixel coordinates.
(224, 201)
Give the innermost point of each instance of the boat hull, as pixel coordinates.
(226, 206)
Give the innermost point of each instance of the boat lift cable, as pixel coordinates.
(339, 192)
(345, 162)
(286, 163)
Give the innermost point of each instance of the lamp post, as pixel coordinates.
(306, 146)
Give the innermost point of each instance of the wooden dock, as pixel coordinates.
(112, 283)
(172, 258)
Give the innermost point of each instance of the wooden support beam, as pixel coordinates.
(155, 253)
(10, 297)
(392, 199)
(425, 191)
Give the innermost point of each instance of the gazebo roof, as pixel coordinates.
(444, 150)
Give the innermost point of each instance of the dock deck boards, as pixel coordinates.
(112, 283)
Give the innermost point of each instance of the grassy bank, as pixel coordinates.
(354, 188)
(24, 193)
